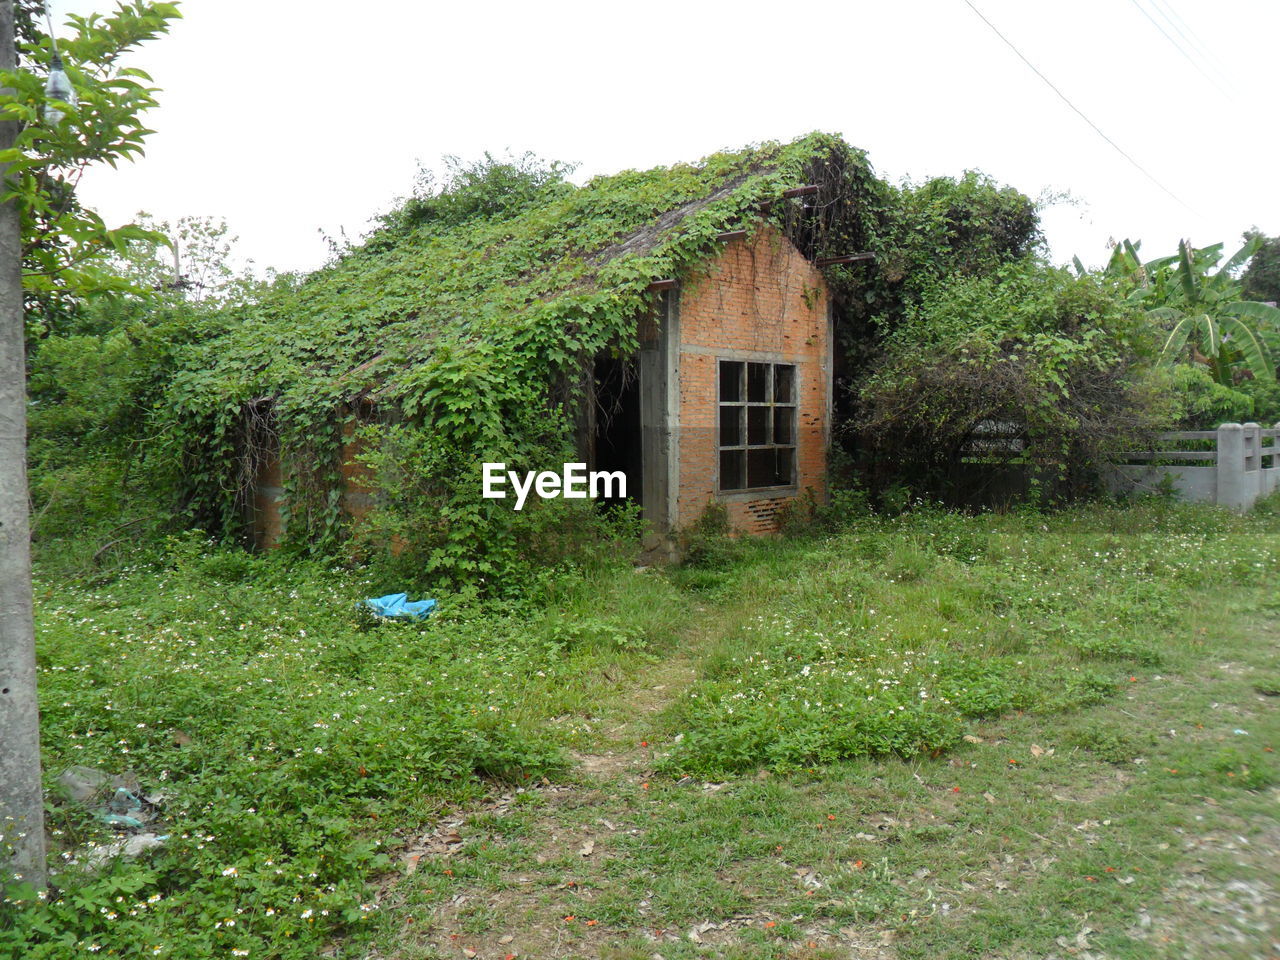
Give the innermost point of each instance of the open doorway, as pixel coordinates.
(617, 422)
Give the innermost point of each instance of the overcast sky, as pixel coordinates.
(289, 118)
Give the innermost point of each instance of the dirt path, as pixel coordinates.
(565, 828)
(624, 742)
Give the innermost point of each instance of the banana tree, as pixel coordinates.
(1205, 319)
(1127, 270)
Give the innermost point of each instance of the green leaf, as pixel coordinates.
(1186, 273)
(1176, 341)
(1256, 355)
(1263, 312)
(1241, 256)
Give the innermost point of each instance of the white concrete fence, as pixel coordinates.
(1243, 466)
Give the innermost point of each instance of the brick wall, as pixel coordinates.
(760, 300)
(266, 519)
(358, 481)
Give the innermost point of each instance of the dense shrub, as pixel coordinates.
(1052, 365)
(1204, 403)
(101, 480)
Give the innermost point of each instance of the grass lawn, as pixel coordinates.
(934, 736)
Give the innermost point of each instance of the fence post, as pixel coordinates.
(1252, 463)
(1231, 477)
(1271, 476)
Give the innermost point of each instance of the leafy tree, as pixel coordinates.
(192, 258)
(1205, 317)
(1202, 311)
(924, 233)
(944, 227)
(1261, 279)
(1127, 270)
(64, 241)
(1205, 403)
(95, 384)
(967, 226)
(44, 228)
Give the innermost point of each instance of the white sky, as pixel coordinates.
(290, 118)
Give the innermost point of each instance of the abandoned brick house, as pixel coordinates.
(729, 397)
(733, 398)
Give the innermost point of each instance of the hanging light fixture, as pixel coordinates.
(58, 86)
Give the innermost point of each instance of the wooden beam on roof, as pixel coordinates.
(667, 284)
(806, 191)
(731, 235)
(849, 258)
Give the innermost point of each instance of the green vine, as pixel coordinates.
(466, 322)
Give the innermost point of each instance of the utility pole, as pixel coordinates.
(22, 850)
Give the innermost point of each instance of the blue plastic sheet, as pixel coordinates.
(398, 606)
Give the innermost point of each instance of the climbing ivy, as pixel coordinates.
(469, 315)
(467, 319)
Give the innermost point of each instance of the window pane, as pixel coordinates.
(731, 464)
(731, 426)
(786, 465)
(730, 381)
(784, 384)
(769, 468)
(758, 382)
(757, 425)
(783, 418)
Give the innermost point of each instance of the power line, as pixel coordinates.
(1177, 46)
(1080, 113)
(1174, 19)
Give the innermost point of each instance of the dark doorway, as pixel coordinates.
(617, 421)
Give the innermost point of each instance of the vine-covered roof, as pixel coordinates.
(521, 281)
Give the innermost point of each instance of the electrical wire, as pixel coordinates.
(1177, 46)
(1080, 113)
(1175, 20)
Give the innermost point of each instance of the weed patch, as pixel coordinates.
(895, 636)
(294, 744)
(289, 736)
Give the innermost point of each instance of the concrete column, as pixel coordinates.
(1231, 478)
(1252, 437)
(1272, 480)
(1252, 463)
